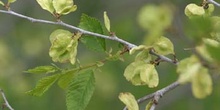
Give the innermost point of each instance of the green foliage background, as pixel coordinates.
(25, 45)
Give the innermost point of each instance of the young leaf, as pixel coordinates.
(202, 84)
(1, 3)
(43, 85)
(64, 7)
(64, 46)
(80, 91)
(194, 10)
(149, 105)
(93, 25)
(210, 10)
(129, 100)
(163, 46)
(46, 5)
(143, 56)
(106, 21)
(187, 68)
(42, 69)
(155, 18)
(11, 1)
(141, 73)
(149, 75)
(214, 51)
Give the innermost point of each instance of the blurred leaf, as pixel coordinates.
(46, 5)
(141, 73)
(1, 3)
(143, 56)
(129, 100)
(203, 48)
(64, 7)
(149, 105)
(214, 52)
(106, 21)
(93, 25)
(198, 28)
(187, 68)
(11, 1)
(163, 46)
(152, 17)
(42, 69)
(202, 84)
(43, 85)
(210, 9)
(192, 10)
(64, 46)
(216, 28)
(100, 63)
(66, 78)
(80, 91)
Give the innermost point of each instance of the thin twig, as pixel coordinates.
(163, 58)
(214, 2)
(5, 100)
(158, 94)
(115, 38)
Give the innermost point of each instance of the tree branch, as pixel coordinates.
(5, 100)
(157, 95)
(213, 2)
(129, 45)
(114, 38)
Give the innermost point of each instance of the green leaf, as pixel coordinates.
(64, 7)
(198, 28)
(210, 10)
(43, 85)
(143, 56)
(129, 100)
(141, 73)
(202, 84)
(64, 46)
(187, 68)
(11, 1)
(149, 105)
(192, 10)
(149, 75)
(214, 52)
(80, 91)
(93, 25)
(155, 18)
(203, 49)
(42, 69)
(1, 3)
(46, 5)
(163, 46)
(66, 78)
(107, 21)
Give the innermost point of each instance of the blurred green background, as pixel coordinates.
(25, 45)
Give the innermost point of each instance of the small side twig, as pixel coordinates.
(157, 95)
(163, 58)
(5, 101)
